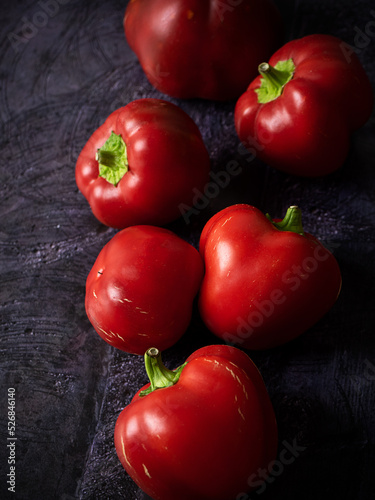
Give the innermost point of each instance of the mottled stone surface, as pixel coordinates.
(56, 87)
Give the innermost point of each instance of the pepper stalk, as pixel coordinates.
(291, 222)
(160, 376)
(274, 79)
(112, 159)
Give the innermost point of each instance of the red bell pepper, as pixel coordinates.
(202, 48)
(201, 431)
(143, 164)
(300, 111)
(141, 288)
(266, 282)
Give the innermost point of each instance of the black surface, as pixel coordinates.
(70, 386)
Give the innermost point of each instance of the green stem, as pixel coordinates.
(291, 222)
(112, 159)
(108, 158)
(274, 79)
(160, 377)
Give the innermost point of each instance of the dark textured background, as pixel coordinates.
(70, 386)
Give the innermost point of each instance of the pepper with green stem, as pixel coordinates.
(304, 105)
(202, 431)
(143, 164)
(266, 281)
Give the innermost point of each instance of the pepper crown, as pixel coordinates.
(274, 80)
(112, 158)
(160, 377)
(291, 222)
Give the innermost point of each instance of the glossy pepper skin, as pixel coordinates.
(265, 282)
(153, 171)
(201, 435)
(302, 119)
(208, 49)
(141, 288)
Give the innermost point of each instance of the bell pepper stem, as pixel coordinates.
(291, 222)
(159, 376)
(112, 159)
(108, 158)
(274, 79)
(274, 76)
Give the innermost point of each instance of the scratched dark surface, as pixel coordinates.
(56, 86)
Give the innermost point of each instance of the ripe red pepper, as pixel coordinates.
(143, 164)
(202, 48)
(300, 111)
(266, 282)
(141, 288)
(200, 432)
